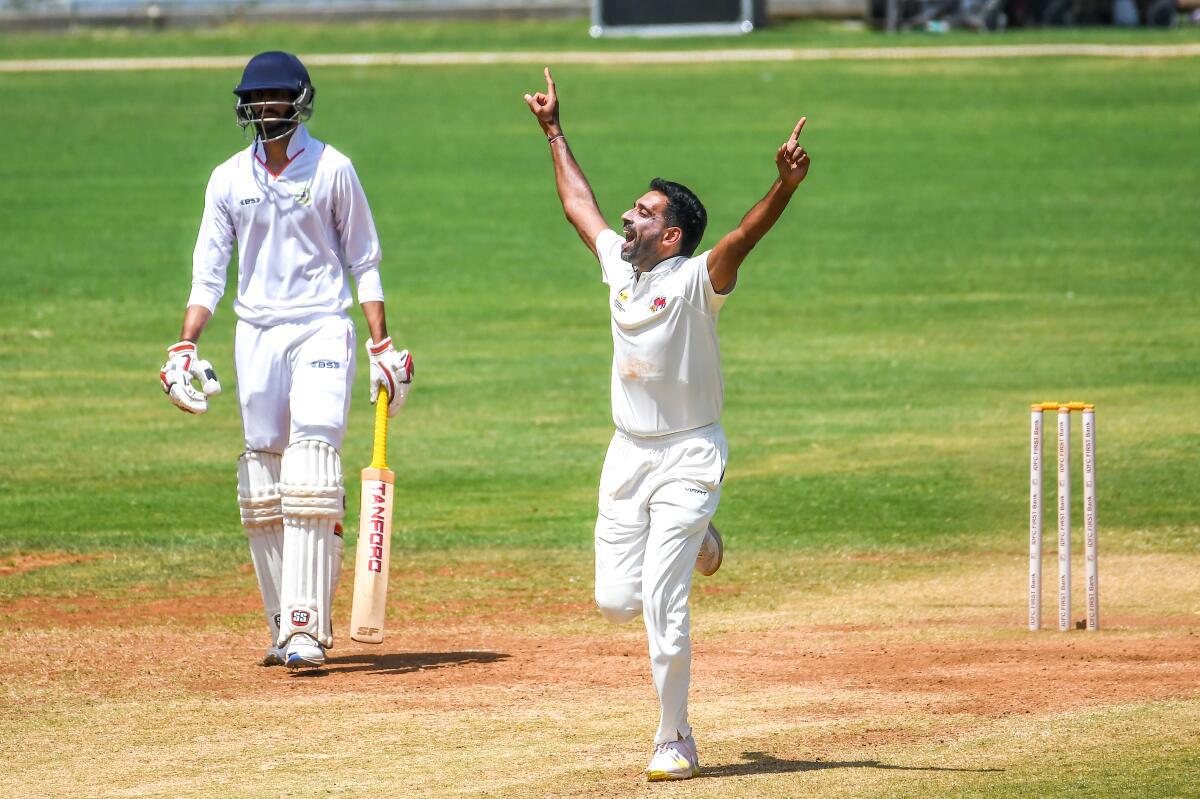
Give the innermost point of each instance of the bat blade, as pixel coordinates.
(373, 555)
(374, 551)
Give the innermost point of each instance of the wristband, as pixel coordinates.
(375, 349)
(551, 139)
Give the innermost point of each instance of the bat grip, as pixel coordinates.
(379, 448)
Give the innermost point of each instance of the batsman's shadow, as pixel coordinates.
(407, 662)
(762, 763)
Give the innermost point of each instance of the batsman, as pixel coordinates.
(298, 215)
(661, 479)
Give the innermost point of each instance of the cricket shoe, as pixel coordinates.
(712, 552)
(275, 656)
(303, 652)
(674, 760)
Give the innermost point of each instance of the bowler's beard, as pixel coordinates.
(634, 251)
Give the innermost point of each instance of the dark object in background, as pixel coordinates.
(941, 15)
(610, 17)
(918, 14)
(1150, 13)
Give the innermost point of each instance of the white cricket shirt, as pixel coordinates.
(666, 372)
(299, 234)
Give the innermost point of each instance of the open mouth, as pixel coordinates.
(628, 234)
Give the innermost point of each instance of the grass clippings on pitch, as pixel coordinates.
(935, 693)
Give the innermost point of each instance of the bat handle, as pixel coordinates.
(379, 449)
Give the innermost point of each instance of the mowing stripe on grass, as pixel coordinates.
(631, 57)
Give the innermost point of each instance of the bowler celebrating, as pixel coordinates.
(294, 207)
(661, 480)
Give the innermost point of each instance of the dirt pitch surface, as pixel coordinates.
(918, 688)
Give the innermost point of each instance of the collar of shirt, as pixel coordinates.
(299, 141)
(661, 268)
(297, 144)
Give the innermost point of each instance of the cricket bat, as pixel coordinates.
(374, 537)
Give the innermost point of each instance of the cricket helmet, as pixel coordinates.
(273, 71)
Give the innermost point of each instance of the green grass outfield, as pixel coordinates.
(974, 235)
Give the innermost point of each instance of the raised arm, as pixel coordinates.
(578, 201)
(723, 262)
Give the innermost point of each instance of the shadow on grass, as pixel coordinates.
(401, 662)
(762, 763)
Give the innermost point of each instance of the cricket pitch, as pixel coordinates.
(829, 675)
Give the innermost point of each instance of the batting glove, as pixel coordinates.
(390, 370)
(176, 375)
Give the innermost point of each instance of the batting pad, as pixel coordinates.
(262, 517)
(313, 503)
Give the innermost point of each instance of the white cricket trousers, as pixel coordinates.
(294, 381)
(656, 499)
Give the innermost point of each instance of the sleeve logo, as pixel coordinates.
(622, 298)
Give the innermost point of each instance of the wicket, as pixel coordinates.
(1064, 513)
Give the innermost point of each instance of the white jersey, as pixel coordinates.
(299, 234)
(666, 372)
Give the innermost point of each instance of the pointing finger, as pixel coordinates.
(799, 127)
(549, 82)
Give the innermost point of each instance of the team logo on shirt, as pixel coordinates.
(622, 298)
(304, 197)
(658, 304)
(251, 200)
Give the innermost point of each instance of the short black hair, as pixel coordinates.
(684, 211)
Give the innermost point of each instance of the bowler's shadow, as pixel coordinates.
(402, 662)
(762, 763)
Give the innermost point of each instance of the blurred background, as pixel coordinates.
(614, 17)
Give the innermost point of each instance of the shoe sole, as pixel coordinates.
(669, 776)
(295, 663)
(720, 552)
